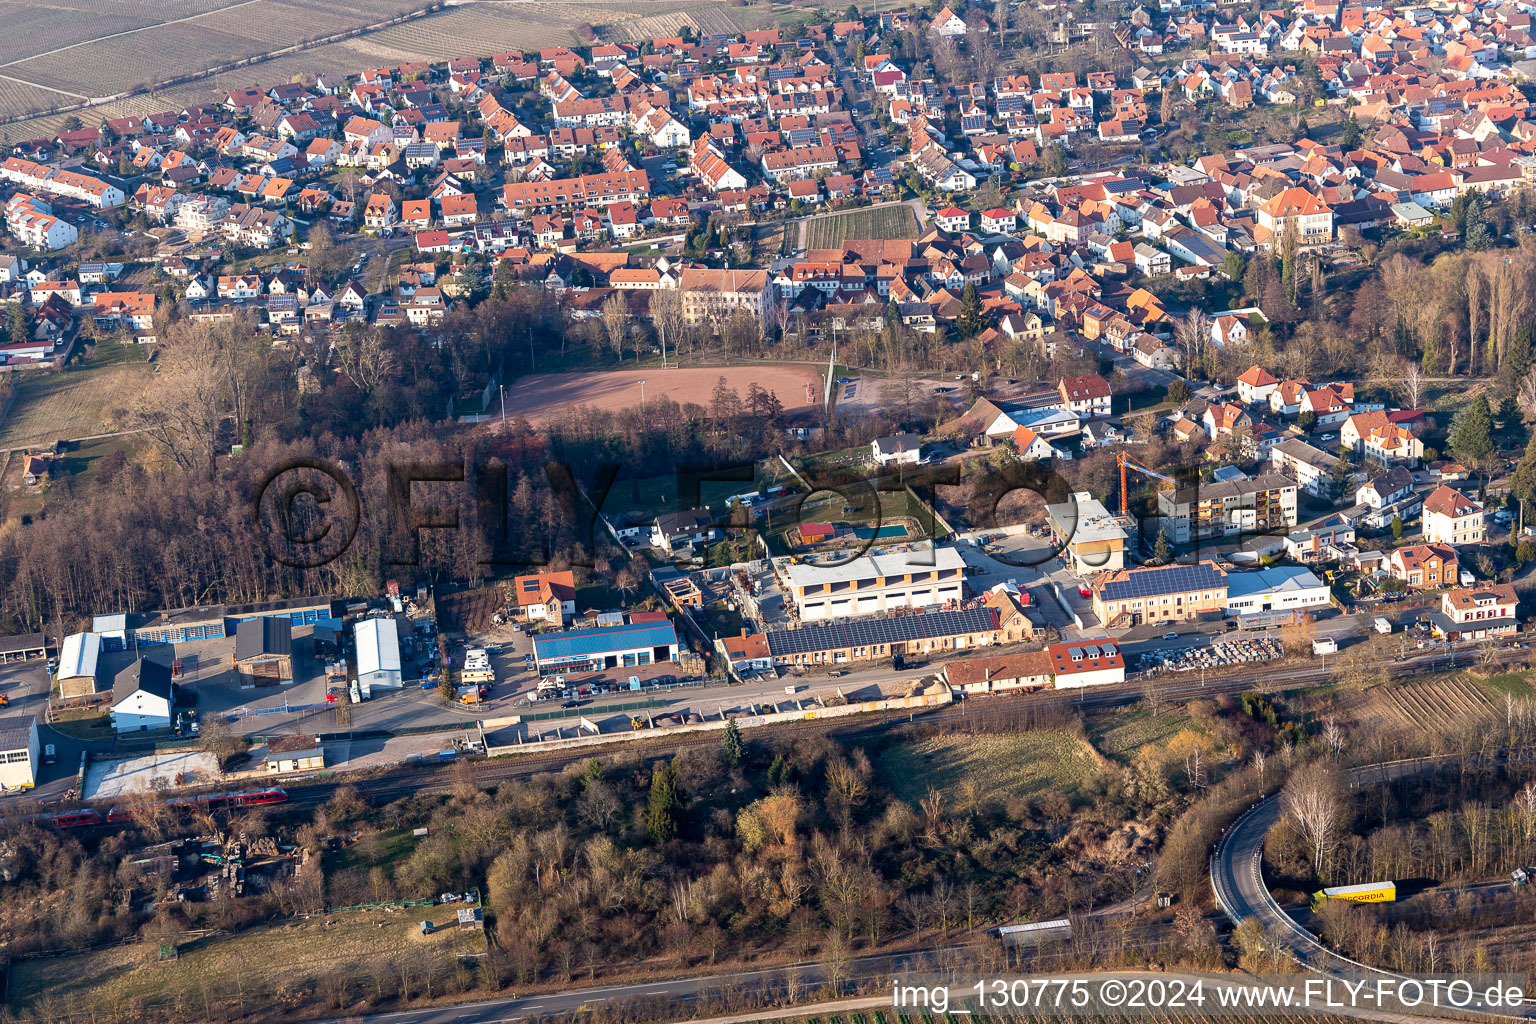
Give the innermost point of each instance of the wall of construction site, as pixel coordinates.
(934, 696)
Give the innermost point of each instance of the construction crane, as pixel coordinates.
(1127, 462)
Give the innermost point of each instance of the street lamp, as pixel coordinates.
(642, 396)
(503, 389)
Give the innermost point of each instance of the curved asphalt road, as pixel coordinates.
(1237, 874)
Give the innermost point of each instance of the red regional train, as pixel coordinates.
(86, 817)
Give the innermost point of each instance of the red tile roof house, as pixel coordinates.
(1256, 385)
(1088, 396)
(1424, 565)
(459, 210)
(952, 219)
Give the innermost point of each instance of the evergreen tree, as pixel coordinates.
(1290, 243)
(778, 771)
(1340, 475)
(1522, 482)
(730, 743)
(1055, 160)
(19, 325)
(1517, 360)
(666, 805)
(1350, 137)
(593, 772)
(1160, 550)
(970, 321)
(1471, 436)
(1397, 527)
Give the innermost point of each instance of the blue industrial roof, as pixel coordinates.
(603, 640)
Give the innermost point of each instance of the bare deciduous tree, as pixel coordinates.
(207, 376)
(666, 305)
(1192, 334)
(616, 323)
(1311, 801)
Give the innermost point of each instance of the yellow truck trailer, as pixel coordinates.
(1367, 892)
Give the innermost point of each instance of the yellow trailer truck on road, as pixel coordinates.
(1368, 892)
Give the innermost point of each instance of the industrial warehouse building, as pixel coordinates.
(905, 635)
(378, 655)
(124, 632)
(264, 651)
(18, 753)
(1281, 589)
(874, 584)
(591, 650)
(78, 665)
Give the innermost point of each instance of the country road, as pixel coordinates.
(1237, 874)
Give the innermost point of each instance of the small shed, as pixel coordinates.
(295, 754)
(264, 651)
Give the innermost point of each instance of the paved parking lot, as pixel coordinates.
(1018, 558)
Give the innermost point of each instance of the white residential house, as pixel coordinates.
(1451, 517)
(898, 449)
(141, 697)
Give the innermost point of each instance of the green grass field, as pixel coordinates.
(1020, 764)
(879, 222)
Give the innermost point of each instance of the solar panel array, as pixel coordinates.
(1173, 579)
(881, 631)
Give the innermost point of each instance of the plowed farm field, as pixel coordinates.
(116, 46)
(1426, 704)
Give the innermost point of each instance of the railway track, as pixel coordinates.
(1174, 689)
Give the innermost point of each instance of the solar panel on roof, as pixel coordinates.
(1173, 579)
(881, 631)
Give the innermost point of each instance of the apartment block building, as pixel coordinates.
(1231, 508)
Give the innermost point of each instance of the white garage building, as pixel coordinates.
(1281, 589)
(378, 655)
(18, 753)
